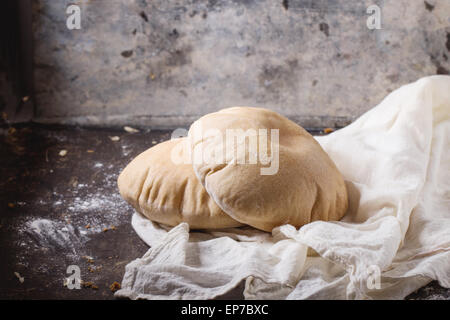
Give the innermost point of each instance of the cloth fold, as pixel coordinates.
(394, 239)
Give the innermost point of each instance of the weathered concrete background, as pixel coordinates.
(165, 63)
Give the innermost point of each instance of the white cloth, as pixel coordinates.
(396, 163)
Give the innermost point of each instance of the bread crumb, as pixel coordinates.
(328, 130)
(89, 284)
(89, 259)
(21, 279)
(115, 138)
(93, 269)
(11, 205)
(110, 228)
(115, 286)
(130, 129)
(63, 153)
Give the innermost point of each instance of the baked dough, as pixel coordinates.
(160, 184)
(306, 186)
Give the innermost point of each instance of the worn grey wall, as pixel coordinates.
(163, 63)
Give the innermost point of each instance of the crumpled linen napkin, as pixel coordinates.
(394, 239)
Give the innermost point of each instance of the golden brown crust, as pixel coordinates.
(169, 192)
(306, 187)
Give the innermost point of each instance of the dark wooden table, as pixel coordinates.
(59, 206)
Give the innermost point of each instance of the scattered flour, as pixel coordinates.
(53, 234)
(126, 150)
(76, 216)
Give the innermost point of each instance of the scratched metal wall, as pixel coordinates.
(164, 63)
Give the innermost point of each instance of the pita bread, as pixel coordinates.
(299, 185)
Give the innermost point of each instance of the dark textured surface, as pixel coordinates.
(73, 191)
(59, 197)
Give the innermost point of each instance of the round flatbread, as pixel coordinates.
(293, 180)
